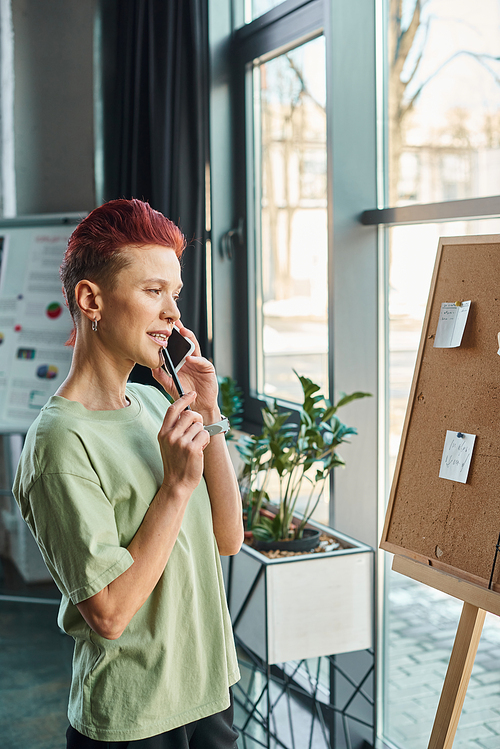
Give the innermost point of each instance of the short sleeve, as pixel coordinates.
(74, 525)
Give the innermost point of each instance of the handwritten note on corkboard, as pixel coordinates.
(453, 526)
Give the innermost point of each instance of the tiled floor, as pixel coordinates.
(35, 663)
(423, 625)
(35, 666)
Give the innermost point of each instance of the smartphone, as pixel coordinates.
(178, 348)
(174, 356)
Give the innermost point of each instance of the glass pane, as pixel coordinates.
(259, 7)
(444, 100)
(421, 622)
(291, 122)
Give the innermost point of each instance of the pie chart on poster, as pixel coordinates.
(47, 372)
(53, 310)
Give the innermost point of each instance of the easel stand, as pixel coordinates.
(457, 677)
(476, 602)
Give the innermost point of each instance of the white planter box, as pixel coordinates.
(303, 606)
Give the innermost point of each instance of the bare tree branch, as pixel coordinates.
(304, 88)
(477, 56)
(421, 53)
(405, 40)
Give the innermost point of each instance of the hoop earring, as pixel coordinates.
(94, 325)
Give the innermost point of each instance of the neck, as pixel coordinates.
(95, 379)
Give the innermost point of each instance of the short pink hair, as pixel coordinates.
(95, 249)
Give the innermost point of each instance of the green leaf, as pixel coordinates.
(329, 412)
(345, 399)
(276, 526)
(262, 534)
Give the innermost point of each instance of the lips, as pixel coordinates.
(160, 337)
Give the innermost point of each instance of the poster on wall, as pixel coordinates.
(34, 321)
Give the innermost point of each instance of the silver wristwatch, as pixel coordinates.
(219, 427)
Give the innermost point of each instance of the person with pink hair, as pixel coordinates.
(131, 501)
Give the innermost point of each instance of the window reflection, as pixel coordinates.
(444, 100)
(293, 220)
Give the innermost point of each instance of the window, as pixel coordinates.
(331, 157)
(437, 108)
(291, 220)
(441, 103)
(444, 100)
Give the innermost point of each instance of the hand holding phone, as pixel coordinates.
(179, 347)
(174, 356)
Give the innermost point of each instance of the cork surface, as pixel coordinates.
(457, 389)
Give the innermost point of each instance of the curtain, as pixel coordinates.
(154, 99)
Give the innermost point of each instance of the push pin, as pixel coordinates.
(458, 304)
(461, 435)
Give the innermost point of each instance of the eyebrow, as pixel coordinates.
(162, 282)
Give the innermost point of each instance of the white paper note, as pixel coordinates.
(457, 455)
(451, 324)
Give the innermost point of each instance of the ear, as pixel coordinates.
(88, 298)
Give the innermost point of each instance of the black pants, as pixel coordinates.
(214, 732)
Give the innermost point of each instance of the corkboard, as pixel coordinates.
(453, 526)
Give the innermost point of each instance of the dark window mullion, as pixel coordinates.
(453, 210)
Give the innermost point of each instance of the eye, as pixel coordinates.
(155, 291)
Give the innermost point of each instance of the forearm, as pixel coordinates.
(109, 611)
(224, 495)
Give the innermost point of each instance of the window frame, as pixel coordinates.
(353, 271)
(285, 27)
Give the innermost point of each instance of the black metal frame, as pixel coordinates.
(295, 682)
(427, 213)
(284, 681)
(286, 25)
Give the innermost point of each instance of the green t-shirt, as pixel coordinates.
(84, 484)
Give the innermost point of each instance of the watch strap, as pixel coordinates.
(219, 427)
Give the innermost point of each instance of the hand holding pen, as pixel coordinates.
(170, 370)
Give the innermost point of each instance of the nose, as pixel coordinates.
(172, 314)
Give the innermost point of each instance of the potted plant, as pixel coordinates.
(312, 604)
(302, 456)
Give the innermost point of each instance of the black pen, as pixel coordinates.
(169, 368)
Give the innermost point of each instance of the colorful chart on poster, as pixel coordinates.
(54, 310)
(34, 320)
(47, 372)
